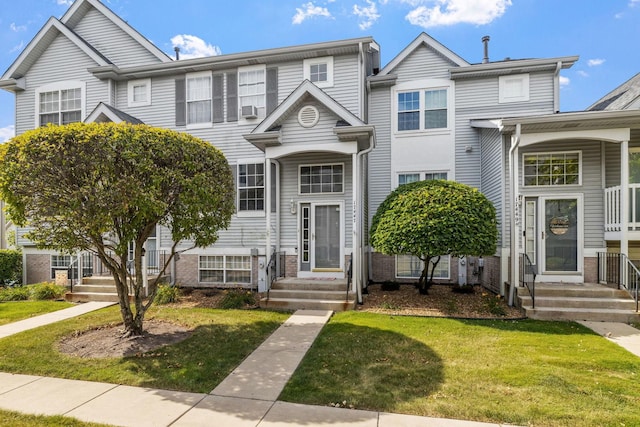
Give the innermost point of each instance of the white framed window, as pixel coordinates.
(252, 91)
(513, 88)
(552, 169)
(59, 262)
(319, 71)
(251, 182)
(319, 179)
(198, 98)
(224, 269)
(60, 103)
(139, 93)
(426, 109)
(409, 177)
(410, 267)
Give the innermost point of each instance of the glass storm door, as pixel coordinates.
(326, 237)
(560, 234)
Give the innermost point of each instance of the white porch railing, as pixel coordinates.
(612, 214)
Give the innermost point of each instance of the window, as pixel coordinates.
(407, 178)
(199, 98)
(319, 71)
(317, 179)
(513, 88)
(139, 92)
(410, 267)
(424, 110)
(252, 89)
(224, 269)
(552, 168)
(59, 262)
(60, 107)
(250, 187)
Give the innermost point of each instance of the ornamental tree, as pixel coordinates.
(100, 187)
(428, 219)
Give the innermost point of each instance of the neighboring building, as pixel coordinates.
(317, 135)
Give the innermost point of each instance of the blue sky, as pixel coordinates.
(601, 32)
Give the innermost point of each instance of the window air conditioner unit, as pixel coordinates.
(249, 112)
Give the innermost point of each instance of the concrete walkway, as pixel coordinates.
(622, 334)
(56, 316)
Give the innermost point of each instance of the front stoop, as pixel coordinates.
(309, 294)
(591, 302)
(94, 289)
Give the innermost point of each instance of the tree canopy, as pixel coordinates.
(432, 218)
(100, 187)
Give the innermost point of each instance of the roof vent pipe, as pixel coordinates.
(177, 51)
(485, 41)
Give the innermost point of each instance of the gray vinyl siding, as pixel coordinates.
(424, 62)
(345, 83)
(62, 61)
(491, 175)
(379, 160)
(21, 239)
(111, 41)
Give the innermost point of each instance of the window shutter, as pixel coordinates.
(181, 102)
(232, 97)
(272, 89)
(234, 172)
(217, 97)
(273, 189)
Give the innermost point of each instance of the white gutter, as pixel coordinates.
(513, 175)
(556, 87)
(358, 233)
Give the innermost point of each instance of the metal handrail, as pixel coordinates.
(275, 268)
(528, 277)
(73, 264)
(618, 269)
(349, 275)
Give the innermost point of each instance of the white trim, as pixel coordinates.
(551, 153)
(422, 86)
(256, 212)
(204, 124)
(57, 87)
(300, 166)
(225, 268)
(504, 95)
(330, 274)
(131, 85)
(288, 149)
(328, 60)
(562, 276)
(262, 110)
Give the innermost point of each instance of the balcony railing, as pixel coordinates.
(612, 213)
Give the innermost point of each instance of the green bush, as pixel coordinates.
(237, 298)
(10, 266)
(19, 293)
(167, 294)
(46, 290)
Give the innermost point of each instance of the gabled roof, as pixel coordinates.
(267, 133)
(79, 9)
(424, 39)
(106, 113)
(41, 42)
(621, 98)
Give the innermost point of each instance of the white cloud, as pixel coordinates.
(64, 2)
(595, 62)
(582, 73)
(7, 132)
(16, 28)
(194, 47)
(17, 47)
(633, 3)
(564, 81)
(451, 12)
(309, 10)
(368, 14)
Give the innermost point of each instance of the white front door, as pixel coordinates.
(322, 240)
(560, 228)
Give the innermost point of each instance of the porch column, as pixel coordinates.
(624, 197)
(267, 206)
(355, 239)
(514, 220)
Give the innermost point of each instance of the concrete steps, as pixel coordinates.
(309, 294)
(591, 302)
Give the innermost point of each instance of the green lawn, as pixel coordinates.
(518, 372)
(16, 419)
(19, 310)
(221, 340)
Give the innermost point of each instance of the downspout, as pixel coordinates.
(360, 81)
(513, 175)
(277, 225)
(360, 212)
(556, 88)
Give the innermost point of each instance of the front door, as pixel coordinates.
(322, 242)
(560, 235)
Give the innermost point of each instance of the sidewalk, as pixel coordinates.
(247, 397)
(622, 334)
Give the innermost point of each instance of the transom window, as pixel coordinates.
(252, 89)
(410, 267)
(224, 269)
(251, 187)
(60, 107)
(199, 98)
(424, 110)
(562, 168)
(321, 179)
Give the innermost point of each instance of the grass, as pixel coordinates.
(221, 340)
(19, 310)
(518, 372)
(16, 419)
